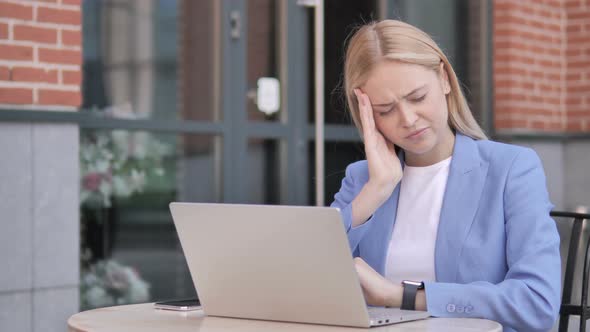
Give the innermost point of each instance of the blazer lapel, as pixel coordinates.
(467, 175)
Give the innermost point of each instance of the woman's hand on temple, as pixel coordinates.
(385, 170)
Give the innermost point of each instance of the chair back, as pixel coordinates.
(568, 309)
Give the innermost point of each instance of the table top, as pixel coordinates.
(143, 317)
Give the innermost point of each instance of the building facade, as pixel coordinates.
(109, 110)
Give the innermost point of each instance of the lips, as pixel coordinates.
(416, 133)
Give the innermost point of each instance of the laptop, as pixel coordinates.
(279, 263)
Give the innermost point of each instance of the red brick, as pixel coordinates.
(61, 16)
(551, 101)
(526, 85)
(41, 35)
(26, 74)
(573, 51)
(513, 71)
(534, 111)
(573, 76)
(59, 97)
(581, 14)
(537, 25)
(73, 38)
(537, 124)
(573, 28)
(551, 86)
(552, 3)
(71, 77)
(582, 64)
(19, 96)
(543, 13)
(60, 56)
(554, 52)
(510, 123)
(71, 2)
(556, 124)
(518, 58)
(578, 39)
(536, 74)
(581, 113)
(553, 27)
(571, 101)
(576, 108)
(14, 52)
(521, 7)
(580, 88)
(3, 31)
(503, 5)
(548, 63)
(17, 11)
(509, 18)
(574, 126)
(506, 94)
(4, 73)
(573, 4)
(503, 84)
(501, 58)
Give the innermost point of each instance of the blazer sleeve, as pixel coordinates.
(350, 188)
(528, 298)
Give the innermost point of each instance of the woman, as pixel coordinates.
(466, 219)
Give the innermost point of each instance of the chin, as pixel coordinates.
(418, 149)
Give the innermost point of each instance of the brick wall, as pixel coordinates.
(40, 54)
(529, 65)
(577, 52)
(542, 65)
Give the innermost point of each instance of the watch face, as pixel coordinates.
(418, 284)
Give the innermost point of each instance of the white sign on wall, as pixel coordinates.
(268, 96)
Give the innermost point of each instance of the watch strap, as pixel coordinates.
(409, 295)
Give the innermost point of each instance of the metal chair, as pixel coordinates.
(568, 309)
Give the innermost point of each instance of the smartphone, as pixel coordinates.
(179, 305)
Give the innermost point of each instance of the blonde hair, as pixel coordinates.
(399, 41)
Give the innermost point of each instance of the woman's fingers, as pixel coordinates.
(366, 113)
(369, 111)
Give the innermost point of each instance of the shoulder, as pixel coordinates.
(503, 155)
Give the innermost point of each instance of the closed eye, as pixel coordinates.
(389, 111)
(418, 99)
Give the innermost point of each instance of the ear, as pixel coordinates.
(444, 78)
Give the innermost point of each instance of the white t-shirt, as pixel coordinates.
(411, 250)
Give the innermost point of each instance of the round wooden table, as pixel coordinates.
(143, 317)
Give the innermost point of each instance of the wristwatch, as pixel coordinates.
(409, 295)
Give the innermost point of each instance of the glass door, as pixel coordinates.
(264, 100)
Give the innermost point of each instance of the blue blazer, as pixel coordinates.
(497, 248)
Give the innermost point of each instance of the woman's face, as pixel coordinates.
(410, 110)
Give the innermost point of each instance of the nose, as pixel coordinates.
(408, 116)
